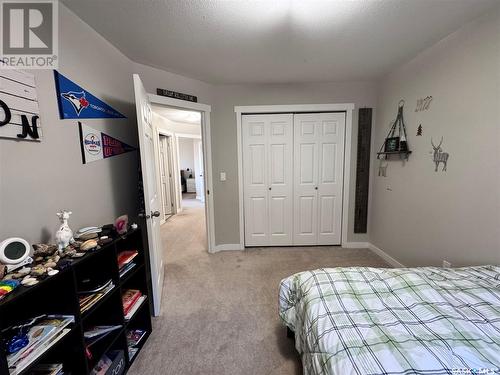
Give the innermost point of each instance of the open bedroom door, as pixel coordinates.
(152, 200)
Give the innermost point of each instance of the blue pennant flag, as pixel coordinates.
(76, 102)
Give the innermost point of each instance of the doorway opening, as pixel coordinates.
(167, 176)
(149, 138)
(182, 179)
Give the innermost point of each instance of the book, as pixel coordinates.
(126, 268)
(98, 288)
(89, 300)
(99, 330)
(102, 366)
(134, 336)
(132, 352)
(91, 337)
(134, 308)
(47, 369)
(42, 335)
(129, 297)
(126, 257)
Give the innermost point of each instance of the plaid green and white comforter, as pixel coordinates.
(395, 321)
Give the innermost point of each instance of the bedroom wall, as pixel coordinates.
(419, 216)
(39, 178)
(224, 146)
(186, 154)
(223, 98)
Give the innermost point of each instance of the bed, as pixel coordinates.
(363, 321)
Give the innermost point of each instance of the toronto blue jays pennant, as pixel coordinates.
(96, 145)
(76, 102)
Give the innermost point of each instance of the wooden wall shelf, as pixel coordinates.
(400, 153)
(58, 295)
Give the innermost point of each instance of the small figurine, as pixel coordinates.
(64, 235)
(121, 224)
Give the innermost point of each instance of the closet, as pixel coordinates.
(293, 178)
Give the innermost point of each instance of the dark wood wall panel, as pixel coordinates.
(363, 170)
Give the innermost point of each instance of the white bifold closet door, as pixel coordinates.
(318, 178)
(268, 179)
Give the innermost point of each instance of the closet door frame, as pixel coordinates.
(348, 108)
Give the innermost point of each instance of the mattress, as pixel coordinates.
(427, 320)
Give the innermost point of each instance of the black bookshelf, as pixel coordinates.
(59, 295)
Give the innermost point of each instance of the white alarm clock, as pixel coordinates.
(14, 253)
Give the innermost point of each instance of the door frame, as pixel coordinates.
(205, 111)
(184, 135)
(173, 187)
(348, 108)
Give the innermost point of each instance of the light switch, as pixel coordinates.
(223, 176)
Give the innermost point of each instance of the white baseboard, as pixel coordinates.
(356, 245)
(393, 262)
(228, 247)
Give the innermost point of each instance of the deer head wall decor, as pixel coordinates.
(440, 156)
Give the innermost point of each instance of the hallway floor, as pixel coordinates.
(220, 311)
(186, 230)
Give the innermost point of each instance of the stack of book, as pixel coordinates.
(125, 263)
(132, 300)
(48, 369)
(112, 362)
(134, 337)
(95, 333)
(89, 298)
(44, 333)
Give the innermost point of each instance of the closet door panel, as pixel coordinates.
(306, 177)
(330, 179)
(280, 176)
(268, 179)
(255, 160)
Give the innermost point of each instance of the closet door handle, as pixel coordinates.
(269, 188)
(315, 188)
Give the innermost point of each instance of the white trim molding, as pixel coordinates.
(381, 253)
(228, 247)
(356, 245)
(298, 108)
(187, 135)
(177, 103)
(205, 111)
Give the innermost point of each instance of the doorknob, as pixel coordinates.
(269, 188)
(315, 188)
(153, 214)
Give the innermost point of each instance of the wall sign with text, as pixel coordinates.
(19, 113)
(96, 145)
(176, 95)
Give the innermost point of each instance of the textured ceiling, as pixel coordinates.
(262, 41)
(178, 115)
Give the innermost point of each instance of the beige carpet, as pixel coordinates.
(220, 314)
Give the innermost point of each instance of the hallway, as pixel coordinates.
(185, 230)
